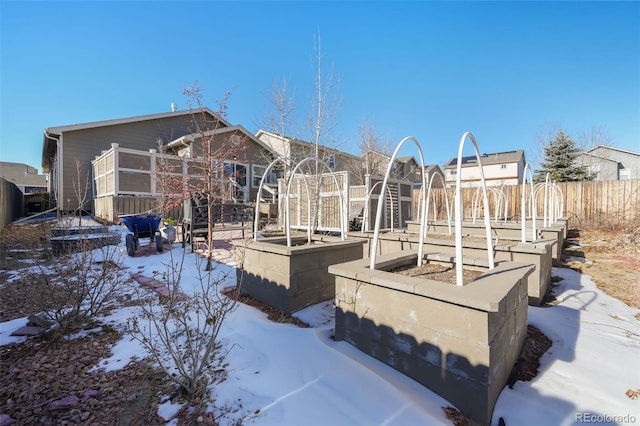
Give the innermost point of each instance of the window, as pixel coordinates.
(625, 174)
(332, 162)
(453, 172)
(256, 175)
(503, 166)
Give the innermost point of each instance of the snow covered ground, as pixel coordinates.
(279, 374)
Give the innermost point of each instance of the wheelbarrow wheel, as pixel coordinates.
(131, 245)
(159, 242)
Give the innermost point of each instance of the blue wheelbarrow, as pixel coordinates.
(141, 226)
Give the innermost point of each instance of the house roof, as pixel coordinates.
(487, 159)
(432, 168)
(52, 133)
(406, 159)
(599, 157)
(403, 160)
(90, 125)
(294, 140)
(613, 148)
(22, 174)
(188, 139)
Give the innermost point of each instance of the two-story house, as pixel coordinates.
(297, 150)
(499, 168)
(610, 163)
(404, 168)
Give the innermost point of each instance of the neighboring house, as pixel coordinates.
(610, 163)
(431, 170)
(500, 168)
(25, 177)
(63, 146)
(405, 168)
(297, 150)
(246, 166)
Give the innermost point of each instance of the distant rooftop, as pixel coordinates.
(493, 158)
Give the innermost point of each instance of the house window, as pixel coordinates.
(394, 168)
(625, 174)
(256, 175)
(503, 166)
(231, 169)
(332, 162)
(453, 172)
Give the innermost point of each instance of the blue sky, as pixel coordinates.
(506, 71)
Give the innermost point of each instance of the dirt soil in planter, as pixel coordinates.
(436, 272)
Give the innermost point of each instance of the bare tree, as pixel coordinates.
(207, 178)
(181, 330)
(374, 152)
(547, 133)
(280, 118)
(326, 101)
(322, 117)
(597, 135)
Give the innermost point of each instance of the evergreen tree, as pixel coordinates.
(560, 161)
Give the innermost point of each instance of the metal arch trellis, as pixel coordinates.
(532, 205)
(286, 161)
(458, 210)
(365, 213)
(376, 231)
(287, 213)
(446, 201)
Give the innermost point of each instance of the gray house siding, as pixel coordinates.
(249, 153)
(609, 163)
(85, 144)
(600, 168)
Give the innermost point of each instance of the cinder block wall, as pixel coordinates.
(539, 255)
(460, 342)
(292, 278)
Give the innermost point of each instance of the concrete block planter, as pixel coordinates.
(74, 238)
(554, 234)
(292, 278)
(537, 254)
(459, 341)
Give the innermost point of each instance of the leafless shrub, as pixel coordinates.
(181, 331)
(78, 284)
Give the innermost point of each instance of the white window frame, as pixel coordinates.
(624, 174)
(255, 176)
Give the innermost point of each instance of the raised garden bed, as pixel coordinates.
(537, 254)
(553, 235)
(74, 238)
(292, 278)
(459, 341)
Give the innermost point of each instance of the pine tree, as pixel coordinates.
(560, 161)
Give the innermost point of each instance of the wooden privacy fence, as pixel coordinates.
(598, 203)
(10, 202)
